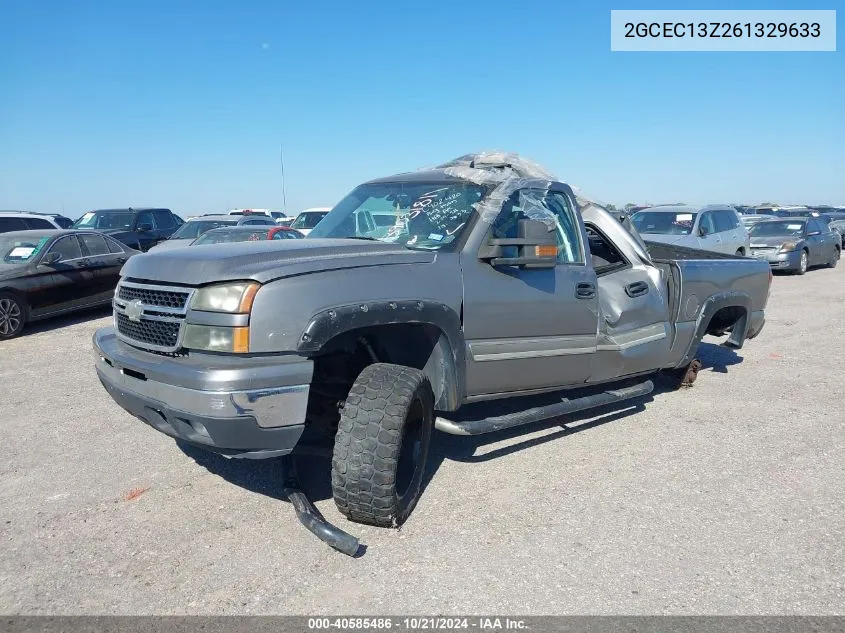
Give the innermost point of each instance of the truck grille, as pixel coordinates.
(150, 316)
(148, 296)
(158, 334)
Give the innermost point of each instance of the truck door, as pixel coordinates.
(634, 327)
(530, 329)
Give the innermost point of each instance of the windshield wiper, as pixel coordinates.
(361, 237)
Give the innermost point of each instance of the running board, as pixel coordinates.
(480, 426)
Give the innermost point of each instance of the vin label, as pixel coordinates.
(723, 30)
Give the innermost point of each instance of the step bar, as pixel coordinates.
(480, 426)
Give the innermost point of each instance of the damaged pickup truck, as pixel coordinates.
(494, 299)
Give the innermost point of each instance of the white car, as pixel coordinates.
(714, 227)
(23, 221)
(309, 218)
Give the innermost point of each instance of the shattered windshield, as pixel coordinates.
(417, 215)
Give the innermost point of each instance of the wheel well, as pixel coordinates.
(419, 345)
(725, 318)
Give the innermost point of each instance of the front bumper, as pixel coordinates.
(790, 260)
(239, 407)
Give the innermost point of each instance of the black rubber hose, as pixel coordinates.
(310, 516)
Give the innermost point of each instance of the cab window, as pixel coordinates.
(605, 256)
(164, 219)
(145, 217)
(552, 207)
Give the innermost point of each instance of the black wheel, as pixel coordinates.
(12, 315)
(382, 444)
(802, 265)
(834, 258)
(739, 253)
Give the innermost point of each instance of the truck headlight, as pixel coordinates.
(216, 338)
(233, 298)
(788, 246)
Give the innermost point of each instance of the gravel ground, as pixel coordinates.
(725, 498)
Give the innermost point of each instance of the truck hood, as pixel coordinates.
(266, 260)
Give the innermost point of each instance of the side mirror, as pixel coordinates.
(144, 228)
(51, 258)
(536, 247)
(702, 230)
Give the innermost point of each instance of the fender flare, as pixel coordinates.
(448, 358)
(730, 299)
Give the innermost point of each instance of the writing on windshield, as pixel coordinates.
(417, 215)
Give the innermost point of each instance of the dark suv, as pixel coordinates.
(140, 229)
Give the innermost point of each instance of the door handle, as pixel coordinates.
(585, 290)
(636, 289)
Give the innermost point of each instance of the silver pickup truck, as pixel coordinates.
(491, 283)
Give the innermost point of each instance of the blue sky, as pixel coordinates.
(184, 104)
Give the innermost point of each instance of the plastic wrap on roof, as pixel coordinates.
(509, 172)
(495, 166)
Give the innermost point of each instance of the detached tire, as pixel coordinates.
(12, 315)
(382, 444)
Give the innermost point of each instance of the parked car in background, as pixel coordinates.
(63, 221)
(795, 244)
(247, 234)
(140, 229)
(49, 272)
(249, 211)
(716, 228)
(282, 218)
(835, 221)
(793, 212)
(196, 226)
(24, 220)
(309, 218)
(752, 219)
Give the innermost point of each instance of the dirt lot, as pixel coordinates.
(725, 498)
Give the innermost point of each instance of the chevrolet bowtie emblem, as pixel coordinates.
(134, 310)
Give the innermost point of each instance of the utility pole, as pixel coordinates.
(284, 194)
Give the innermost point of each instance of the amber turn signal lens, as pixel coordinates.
(240, 340)
(247, 298)
(545, 251)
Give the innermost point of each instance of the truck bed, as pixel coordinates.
(667, 252)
